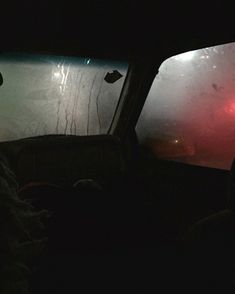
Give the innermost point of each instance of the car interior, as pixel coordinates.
(139, 199)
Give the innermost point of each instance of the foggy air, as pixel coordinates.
(193, 99)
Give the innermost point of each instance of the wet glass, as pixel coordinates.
(50, 95)
(189, 114)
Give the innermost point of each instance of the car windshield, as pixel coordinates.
(51, 95)
(191, 108)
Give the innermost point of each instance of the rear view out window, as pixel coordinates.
(46, 95)
(189, 114)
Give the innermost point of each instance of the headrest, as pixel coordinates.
(41, 195)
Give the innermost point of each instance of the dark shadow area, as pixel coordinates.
(114, 219)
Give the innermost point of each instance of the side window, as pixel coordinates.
(189, 114)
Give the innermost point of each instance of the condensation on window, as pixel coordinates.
(45, 95)
(189, 114)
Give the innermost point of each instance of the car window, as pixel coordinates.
(43, 94)
(189, 114)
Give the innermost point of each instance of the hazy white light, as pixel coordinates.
(88, 61)
(205, 57)
(214, 66)
(56, 74)
(185, 56)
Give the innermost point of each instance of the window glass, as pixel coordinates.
(189, 114)
(42, 94)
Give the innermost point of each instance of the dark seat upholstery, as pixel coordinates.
(64, 159)
(76, 229)
(210, 246)
(220, 226)
(76, 213)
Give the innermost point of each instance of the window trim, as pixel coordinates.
(140, 76)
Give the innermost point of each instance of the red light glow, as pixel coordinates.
(230, 108)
